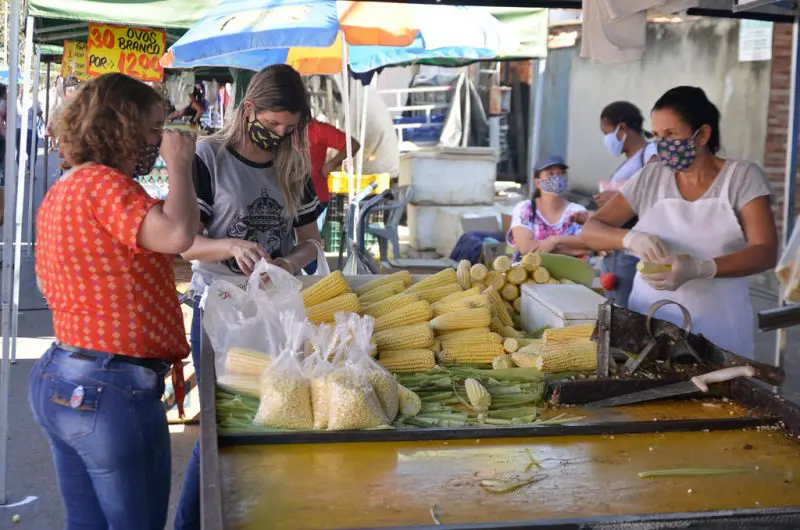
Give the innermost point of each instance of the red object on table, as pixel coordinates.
(608, 281)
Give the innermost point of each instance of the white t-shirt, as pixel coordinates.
(657, 181)
(629, 168)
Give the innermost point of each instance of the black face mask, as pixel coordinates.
(147, 159)
(262, 137)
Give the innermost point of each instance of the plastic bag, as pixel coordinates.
(382, 381)
(285, 390)
(788, 269)
(353, 402)
(318, 367)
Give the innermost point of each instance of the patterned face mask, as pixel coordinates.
(262, 137)
(147, 159)
(678, 153)
(556, 185)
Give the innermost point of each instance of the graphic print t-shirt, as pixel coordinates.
(241, 199)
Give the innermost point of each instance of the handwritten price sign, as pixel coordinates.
(73, 62)
(130, 51)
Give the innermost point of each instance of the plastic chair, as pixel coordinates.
(388, 231)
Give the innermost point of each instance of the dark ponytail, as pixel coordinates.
(695, 109)
(535, 194)
(624, 112)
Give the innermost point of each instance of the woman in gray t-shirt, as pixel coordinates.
(256, 201)
(708, 218)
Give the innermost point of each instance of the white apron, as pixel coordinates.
(705, 228)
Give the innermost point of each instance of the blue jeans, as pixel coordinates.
(187, 515)
(623, 266)
(111, 448)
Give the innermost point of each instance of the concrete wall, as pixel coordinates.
(702, 52)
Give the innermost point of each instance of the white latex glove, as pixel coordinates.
(684, 269)
(647, 246)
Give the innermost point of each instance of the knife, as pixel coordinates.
(696, 384)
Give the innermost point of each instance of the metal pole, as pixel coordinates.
(348, 126)
(535, 124)
(8, 237)
(362, 136)
(20, 210)
(790, 176)
(46, 178)
(32, 161)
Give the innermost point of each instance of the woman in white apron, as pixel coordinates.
(709, 217)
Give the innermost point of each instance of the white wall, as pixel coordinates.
(703, 53)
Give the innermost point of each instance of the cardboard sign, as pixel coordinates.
(130, 51)
(73, 62)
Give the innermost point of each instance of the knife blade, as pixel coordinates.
(696, 384)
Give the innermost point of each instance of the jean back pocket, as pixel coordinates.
(73, 407)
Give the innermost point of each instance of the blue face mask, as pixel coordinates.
(614, 144)
(556, 184)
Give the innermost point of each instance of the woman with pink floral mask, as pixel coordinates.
(708, 218)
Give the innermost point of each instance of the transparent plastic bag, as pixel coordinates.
(285, 390)
(318, 367)
(353, 402)
(788, 269)
(382, 381)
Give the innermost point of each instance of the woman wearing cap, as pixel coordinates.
(708, 218)
(622, 126)
(547, 222)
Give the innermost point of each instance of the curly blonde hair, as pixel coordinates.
(105, 121)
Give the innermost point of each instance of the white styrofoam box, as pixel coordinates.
(421, 220)
(449, 227)
(558, 305)
(450, 175)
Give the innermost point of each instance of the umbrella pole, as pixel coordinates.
(348, 126)
(362, 138)
(32, 162)
(8, 237)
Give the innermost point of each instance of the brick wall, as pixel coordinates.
(778, 115)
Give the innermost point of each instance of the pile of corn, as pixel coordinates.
(560, 350)
(329, 296)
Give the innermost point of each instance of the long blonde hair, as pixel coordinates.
(277, 88)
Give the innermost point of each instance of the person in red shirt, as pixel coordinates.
(104, 263)
(322, 137)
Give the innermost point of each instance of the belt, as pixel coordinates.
(157, 365)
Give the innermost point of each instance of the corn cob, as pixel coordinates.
(510, 332)
(496, 325)
(510, 292)
(405, 361)
(324, 313)
(463, 319)
(531, 262)
(517, 305)
(526, 342)
(510, 345)
(465, 355)
(378, 309)
(478, 272)
(382, 293)
(541, 275)
(328, 287)
(553, 281)
(495, 279)
(501, 264)
(581, 331)
(478, 396)
(567, 281)
(501, 362)
(464, 334)
(534, 347)
(405, 338)
(410, 402)
(576, 358)
(462, 274)
(651, 267)
(242, 361)
(441, 278)
(414, 313)
(479, 285)
(470, 302)
(517, 321)
(437, 346)
(477, 340)
(517, 276)
(498, 306)
(525, 360)
(457, 296)
(403, 276)
(437, 294)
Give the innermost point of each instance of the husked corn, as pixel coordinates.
(458, 295)
(242, 361)
(501, 362)
(517, 305)
(510, 345)
(498, 306)
(330, 286)
(541, 275)
(326, 311)
(531, 261)
(567, 281)
(525, 360)
(463, 319)
(517, 275)
(462, 274)
(477, 337)
(382, 293)
(437, 294)
(470, 302)
(495, 279)
(501, 264)
(575, 358)
(410, 402)
(478, 396)
(534, 347)
(478, 272)
(353, 402)
(441, 278)
(403, 276)
(405, 316)
(510, 332)
(509, 292)
(479, 285)
(388, 305)
(553, 281)
(470, 355)
(406, 361)
(405, 338)
(580, 331)
(386, 388)
(285, 403)
(246, 385)
(462, 332)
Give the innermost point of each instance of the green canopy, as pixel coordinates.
(529, 25)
